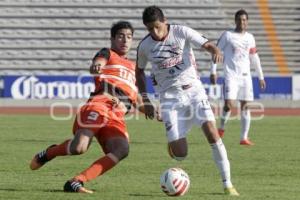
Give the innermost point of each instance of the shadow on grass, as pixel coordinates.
(165, 196)
(12, 190)
(214, 193)
(56, 191)
(31, 141)
(144, 195)
(26, 190)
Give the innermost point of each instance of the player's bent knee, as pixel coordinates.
(122, 151)
(78, 149)
(177, 156)
(81, 142)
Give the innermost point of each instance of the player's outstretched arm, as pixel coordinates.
(95, 67)
(217, 56)
(140, 104)
(141, 84)
(141, 108)
(213, 73)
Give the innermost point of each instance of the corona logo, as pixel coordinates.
(31, 87)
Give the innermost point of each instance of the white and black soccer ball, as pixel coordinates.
(174, 182)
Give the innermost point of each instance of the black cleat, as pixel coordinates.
(76, 186)
(40, 159)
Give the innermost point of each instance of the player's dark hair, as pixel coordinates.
(152, 13)
(120, 25)
(239, 13)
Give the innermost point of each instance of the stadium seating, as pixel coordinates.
(50, 36)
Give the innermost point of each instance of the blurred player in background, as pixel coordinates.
(240, 52)
(183, 99)
(102, 116)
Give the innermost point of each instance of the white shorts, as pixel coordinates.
(182, 108)
(238, 89)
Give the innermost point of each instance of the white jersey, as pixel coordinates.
(236, 48)
(173, 61)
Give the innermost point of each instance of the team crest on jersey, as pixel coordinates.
(170, 62)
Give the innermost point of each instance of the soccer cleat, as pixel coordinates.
(76, 186)
(40, 159)
(246, 142)
(221, 132)
(231, 191)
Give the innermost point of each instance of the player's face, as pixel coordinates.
(157, 29)
(121, 43)
(241, 23)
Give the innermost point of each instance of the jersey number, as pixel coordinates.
(125, 74)
(93, 116)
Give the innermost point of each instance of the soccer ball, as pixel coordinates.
(174, 182)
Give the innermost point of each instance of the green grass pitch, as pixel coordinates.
(270, 170)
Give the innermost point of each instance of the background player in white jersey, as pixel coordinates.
(182, 97)
(240, 52)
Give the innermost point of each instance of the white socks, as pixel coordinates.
(224, 119)
(245, 124)
(222, 162)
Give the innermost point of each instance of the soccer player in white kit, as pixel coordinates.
(183, 100)
(239, 49)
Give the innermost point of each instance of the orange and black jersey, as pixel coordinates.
(117, 77)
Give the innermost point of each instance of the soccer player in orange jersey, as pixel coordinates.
(103, 114)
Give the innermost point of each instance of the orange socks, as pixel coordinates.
(98, 168)
(58, 150)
